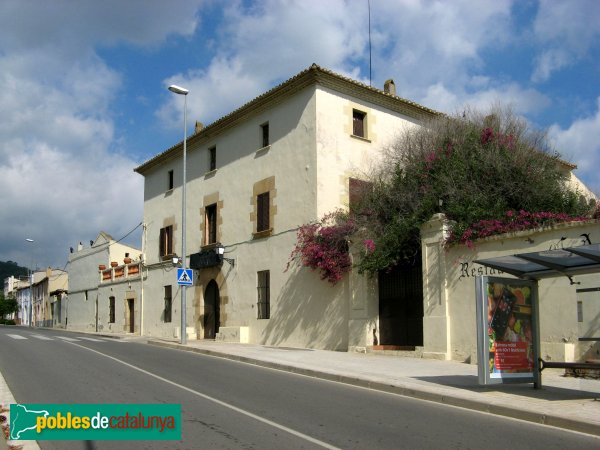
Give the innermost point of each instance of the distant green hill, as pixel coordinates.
(9, 268)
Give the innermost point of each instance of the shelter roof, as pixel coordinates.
(549, 263)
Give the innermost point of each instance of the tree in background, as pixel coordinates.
(484, 172)
(7, 305)
(11, 268)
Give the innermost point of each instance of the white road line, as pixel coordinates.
(39, 336)
(16, 336)
(68, 339)
(91, 339)
(219, 402)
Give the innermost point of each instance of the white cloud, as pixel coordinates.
(522, 101)
(423, 44)
(580, 143)
(265, 44)
(420, 44)
(566, 30)
(59, 176)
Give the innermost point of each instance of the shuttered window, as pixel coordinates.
(166, 241)
(210, 224)
(262, 212)
(357, 192)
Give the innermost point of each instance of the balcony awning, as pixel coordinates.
(550, 263)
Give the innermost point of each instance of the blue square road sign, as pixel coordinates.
(185, 277)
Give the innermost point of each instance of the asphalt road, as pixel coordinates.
(231, 405)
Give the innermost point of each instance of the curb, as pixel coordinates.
(407, 390)
(6, 398)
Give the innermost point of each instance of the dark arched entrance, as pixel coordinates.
(211, 310)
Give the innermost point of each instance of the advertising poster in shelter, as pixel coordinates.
(507, 324)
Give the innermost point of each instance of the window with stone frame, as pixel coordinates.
(166, 242)
(359, 123)
(210, 224)
(358, 190)
(262, 212)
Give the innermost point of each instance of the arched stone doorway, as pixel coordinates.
(212, 310)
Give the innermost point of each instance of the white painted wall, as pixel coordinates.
(341, 155)
(84, 308)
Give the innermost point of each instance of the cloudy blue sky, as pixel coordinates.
(83, 96)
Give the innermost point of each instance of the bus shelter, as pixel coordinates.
(508, 342)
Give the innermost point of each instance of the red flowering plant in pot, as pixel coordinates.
(324, 246)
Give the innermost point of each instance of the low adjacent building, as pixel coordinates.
(105, 287)
(48, 289)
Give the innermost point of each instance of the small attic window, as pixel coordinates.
(170, 180)
(359, 121)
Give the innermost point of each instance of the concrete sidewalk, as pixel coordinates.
(564, 402)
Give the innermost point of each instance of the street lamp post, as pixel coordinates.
(182, 91)
(31, 241)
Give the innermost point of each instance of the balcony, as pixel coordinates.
(120, 273)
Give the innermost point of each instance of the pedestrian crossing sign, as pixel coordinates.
(185, 277)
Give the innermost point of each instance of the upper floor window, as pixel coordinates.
(262, 212)
(265, 134)
(210, 224)
(212, 159)
(264, 208)
(358, 190)
(166, 241)
(359, 122)
(170, 180)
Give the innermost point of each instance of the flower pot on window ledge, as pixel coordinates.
(114, 264)
(127, 260)
(101, 267)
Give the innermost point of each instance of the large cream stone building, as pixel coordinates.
(255, 175)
